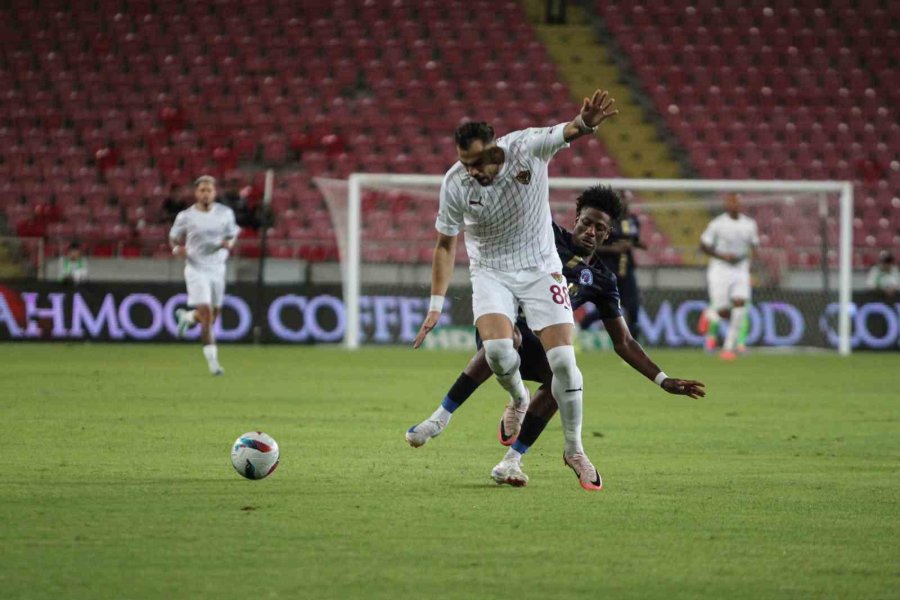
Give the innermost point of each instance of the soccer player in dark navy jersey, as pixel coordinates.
(586, 280)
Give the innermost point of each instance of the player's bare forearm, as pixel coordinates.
(613, 248)
(629, 349)
(442, 264)
(633, 353)
(709, 251)
(441, 272)
(572, 132)
(178, 248)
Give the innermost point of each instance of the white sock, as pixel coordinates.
(441, 415)
(191, 317)
(567, 387)
(211, 352)
(734, 326)
(504, 362)
(512, 454)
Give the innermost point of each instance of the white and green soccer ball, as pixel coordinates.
(255, 455)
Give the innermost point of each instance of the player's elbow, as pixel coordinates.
(623, 343)
(621, 347)
(445, 243)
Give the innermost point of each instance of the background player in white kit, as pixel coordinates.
(204, 234)
(498, 192)
(729, 240)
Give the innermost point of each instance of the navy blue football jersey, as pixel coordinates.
(593, 283)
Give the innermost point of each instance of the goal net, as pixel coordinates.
(801, 275)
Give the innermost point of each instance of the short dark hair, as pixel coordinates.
(603, 198)
(470, 131)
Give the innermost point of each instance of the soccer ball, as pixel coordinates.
(255, 455)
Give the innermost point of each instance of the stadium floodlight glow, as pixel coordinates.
(349, 229)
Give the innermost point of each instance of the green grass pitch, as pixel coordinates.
(116, 481)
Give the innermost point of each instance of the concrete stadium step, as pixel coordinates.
(633, 137)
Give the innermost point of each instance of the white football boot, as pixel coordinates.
(509, 471)
(418, 435)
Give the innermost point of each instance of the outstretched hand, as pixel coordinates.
(431, 320)
(598, 108)
(684, 387)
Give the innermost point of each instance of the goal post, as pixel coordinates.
(348, 217)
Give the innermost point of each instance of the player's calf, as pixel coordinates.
(567, 388)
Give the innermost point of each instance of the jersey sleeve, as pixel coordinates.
(872, 278)
(450, 213)
(231, 228)
(544, 142)
(179, 228)
(708, 238)
(754, 234)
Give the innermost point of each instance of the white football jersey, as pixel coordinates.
(508, 223)
(731, 236)
(203, 233)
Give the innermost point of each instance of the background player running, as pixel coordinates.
(617, 253)
(729, 240)
(590, 281)
(204, 234)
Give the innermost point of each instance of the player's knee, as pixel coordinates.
(563, 364)
(501, 356)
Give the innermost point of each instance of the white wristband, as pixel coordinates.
(582, 126)
(437, 303)
(660, 377)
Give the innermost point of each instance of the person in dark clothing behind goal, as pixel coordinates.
(618, 256)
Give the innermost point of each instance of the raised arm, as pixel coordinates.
(441, 272)
(631, 352)
(594, 110)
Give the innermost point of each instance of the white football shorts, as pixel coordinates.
(544, 297)
(204, 287)
(727, 285)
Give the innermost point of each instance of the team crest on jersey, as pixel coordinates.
(558, 277)
(524, 177)
(586, 277)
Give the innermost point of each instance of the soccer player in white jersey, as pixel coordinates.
(498, 192)
(204, 234)
(729, 240)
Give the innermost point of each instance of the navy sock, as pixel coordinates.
(531, 430)
(463, 387)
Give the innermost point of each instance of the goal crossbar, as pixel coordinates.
(358, 181)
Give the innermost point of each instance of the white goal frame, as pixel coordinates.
(358, 181)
